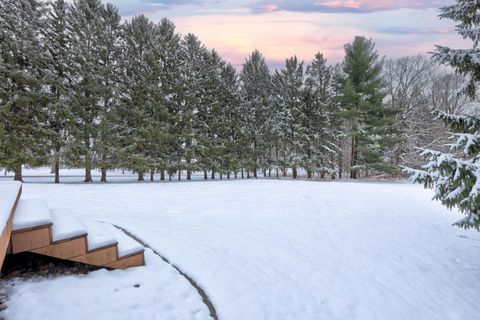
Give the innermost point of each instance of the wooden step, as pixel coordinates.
(69, 236)
(31, 227)
(10, 192)
(130, 252)
(101, 245)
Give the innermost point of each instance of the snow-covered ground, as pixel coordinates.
(155, 291)
(270, 249)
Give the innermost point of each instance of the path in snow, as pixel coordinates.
(298, 250)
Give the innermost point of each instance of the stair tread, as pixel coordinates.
(126, 245)
(98, 236)
(8, 195)
(66, 225)
(31, 213)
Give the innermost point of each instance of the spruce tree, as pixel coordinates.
(370, 121)
(455, 176)
(23, 99)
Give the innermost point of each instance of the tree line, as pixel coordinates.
(81, 88)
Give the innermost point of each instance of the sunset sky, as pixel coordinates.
(280, 29)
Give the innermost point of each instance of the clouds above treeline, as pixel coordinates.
(280, 28)
(345, 6)
(323, 6)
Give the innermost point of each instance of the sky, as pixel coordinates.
(281, 28)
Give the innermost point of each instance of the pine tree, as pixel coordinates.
(22, 98)
(171, 63)
(87, 26)
(289, 84)
(107, 143)
(143, 113)
(322, 124)
(229, 126)
(57, 41)
(370, 121)
(456, 176)
(257, 110)
(193, 110)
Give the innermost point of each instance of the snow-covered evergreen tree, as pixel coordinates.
(257, 111)
(170, 85)
(144, 117)
(107, 143)
(57, 41)
(193, 110)
(322, 124)
(456, 176)
(371, 122)
(230, 130)
(289, 88)
(23, 100)
(86, 18)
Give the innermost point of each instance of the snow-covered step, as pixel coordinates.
(31, 213)
(66, 225)
(98, 236)
(31, 227)
(126, 245)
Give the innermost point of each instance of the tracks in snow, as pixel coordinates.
(201, 292)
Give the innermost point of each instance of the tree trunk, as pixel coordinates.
(264, 171)
(221, 176)
(162, 175)
(294, 172)
(189, 171)
(205, 175)
(104, 175)
(152, 174)
(270, 172)
(228, 175)
(309, 174)
(179, 175)
(57, 170)
(248, 173)
(140, 176)
(18, 173)
(88, 174)
(213, 175)
(353, 162)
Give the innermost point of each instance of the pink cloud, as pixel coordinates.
(358, 6)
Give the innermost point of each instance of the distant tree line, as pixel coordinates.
(80, 88)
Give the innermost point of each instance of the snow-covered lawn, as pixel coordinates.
(269, 249)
